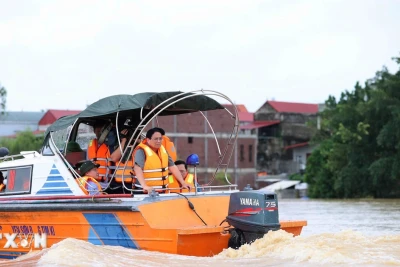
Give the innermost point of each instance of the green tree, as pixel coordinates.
(3, 95)
(358, 153)
(25, 141)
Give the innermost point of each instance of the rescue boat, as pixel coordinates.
(42, 203)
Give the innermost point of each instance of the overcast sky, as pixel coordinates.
(67, 54)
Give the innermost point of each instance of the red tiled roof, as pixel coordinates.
(246, 116)
(258, 124)
(240, 107)
(290, 107)
(60, 113)
(296, 145)
(54, 114)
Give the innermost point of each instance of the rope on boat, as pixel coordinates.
(191, 206)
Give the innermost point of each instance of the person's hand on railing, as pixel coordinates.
(148, 189)
(186, 185)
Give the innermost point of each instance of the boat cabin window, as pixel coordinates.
(84, 135)
(46, 150)
(15, 180)
(60, 138)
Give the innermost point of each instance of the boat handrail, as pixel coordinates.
(170, 101)
(229, 186)
(16, 156)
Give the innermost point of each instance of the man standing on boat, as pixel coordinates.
(152, 163)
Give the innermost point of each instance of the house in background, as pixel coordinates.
(283, 135)
(12, 122)
(300, 153)
(52, 115)
(192, 134)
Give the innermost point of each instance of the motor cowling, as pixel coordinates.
(252, 214)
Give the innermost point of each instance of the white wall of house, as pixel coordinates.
(300, 154)
(12, 122)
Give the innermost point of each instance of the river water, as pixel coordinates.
(339, 233)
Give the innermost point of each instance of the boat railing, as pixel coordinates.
(19, 156)
(204, 188)
(226, 154)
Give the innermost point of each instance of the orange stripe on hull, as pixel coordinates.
(167, 226)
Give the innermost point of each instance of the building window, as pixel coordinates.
(250, 153)
(241, 152)
(190, 140)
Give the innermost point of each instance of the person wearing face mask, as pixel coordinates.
(103, 149)
(152, 163)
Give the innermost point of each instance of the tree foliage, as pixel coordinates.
(359, 142)
(25, 141)
(3, 95)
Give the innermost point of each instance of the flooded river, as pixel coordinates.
(339, 233)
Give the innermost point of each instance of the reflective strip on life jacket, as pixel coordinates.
(101, 155)
(155, 170)
(125, 172)
(83, 184)
(190, 180)
(173, 183)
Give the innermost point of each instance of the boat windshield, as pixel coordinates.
(60, 138)
(84, 135)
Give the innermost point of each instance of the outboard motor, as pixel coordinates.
(252, 214)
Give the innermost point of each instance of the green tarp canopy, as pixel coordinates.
(130, 106)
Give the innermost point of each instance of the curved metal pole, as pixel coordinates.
(117, 133)
(212, 130)
(68, 136)
(192, 94)
(74, 173)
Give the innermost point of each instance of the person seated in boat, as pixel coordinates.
(174, 185)
(73, 146)
(104, 149)
(152, 163)
(2, 182)
(89, 180)
(74, 153)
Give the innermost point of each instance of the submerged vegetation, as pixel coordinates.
(359, 142)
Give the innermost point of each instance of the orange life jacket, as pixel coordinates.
(101, 154)
(173, 183)
(2, 187)
(125, 171)
(83, 184)
(169, 146)
(155, 171)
